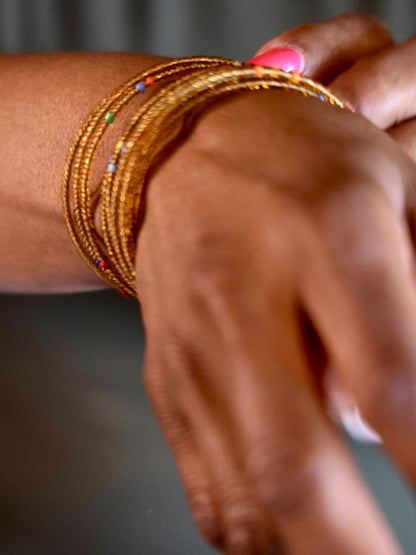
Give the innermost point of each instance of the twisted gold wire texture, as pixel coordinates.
(188, 85)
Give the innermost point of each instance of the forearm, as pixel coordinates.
(44, 99)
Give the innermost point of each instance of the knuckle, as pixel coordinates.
(240, 511)
(347, 22)
(299, 36)
(357, 87)
(205, 515)
(367, 22)
(244, 525)
(284, 476)
(302, 30)
(240, 539)
(366, 87)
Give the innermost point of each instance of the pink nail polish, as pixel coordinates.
(280, 58)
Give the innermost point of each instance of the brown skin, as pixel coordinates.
(45, 98)
(355, 55)
(264, 210)
(246, 241)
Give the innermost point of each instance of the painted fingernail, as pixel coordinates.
(280, 58)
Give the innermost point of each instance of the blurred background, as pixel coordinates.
(84, 468)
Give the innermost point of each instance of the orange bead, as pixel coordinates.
(259, 71)
(295, 78)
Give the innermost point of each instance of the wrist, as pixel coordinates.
(200, 82)
(208, 191)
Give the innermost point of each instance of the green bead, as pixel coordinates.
(109, 117)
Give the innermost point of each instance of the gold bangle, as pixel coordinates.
(76, 183)
(191, 83)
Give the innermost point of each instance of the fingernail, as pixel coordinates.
(358, 428)
(280, 58)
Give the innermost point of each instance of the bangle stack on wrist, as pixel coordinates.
(184, 87)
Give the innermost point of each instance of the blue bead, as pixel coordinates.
(320, 96)
(112, 168)
(124, 148)
(141, 87)
(97, 263)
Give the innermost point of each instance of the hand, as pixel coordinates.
(355, 56)
(275, 248)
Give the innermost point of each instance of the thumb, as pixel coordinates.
(324, 50)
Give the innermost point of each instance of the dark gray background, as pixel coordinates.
(84, 468)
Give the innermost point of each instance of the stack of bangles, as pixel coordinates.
(184, 87)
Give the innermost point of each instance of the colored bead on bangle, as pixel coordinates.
(188, 85)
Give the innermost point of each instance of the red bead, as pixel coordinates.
(150, 81)
(103, 264)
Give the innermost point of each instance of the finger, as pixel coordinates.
(179, 432)
(293, 456)
(382, 86)
(405, 134)
(227, 512)
(329, 48)
(362, 298)
(245, 525)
